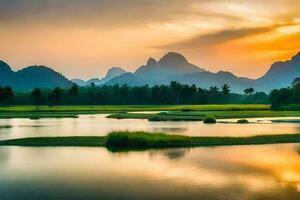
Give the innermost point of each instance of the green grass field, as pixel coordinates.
(73, 111)
(143, 140)
(168, 112)
(132, 108)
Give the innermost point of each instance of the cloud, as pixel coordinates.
(95, 12)
(222, 36)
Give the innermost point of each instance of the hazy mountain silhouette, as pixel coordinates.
(129, 79)
(174, 67)
(79, 81)
(171, 67)
(207, 79)
(31, 77)
(171, 64)
(112, 73)
(281, 74)
(6, 74)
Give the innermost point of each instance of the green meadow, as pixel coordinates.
(132, 108)
(165, 112)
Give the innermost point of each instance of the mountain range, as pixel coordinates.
(171, 67)
(175, 67)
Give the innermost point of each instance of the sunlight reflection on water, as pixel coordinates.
(99, 125)
(240, 172)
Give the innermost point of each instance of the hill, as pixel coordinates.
(31, 77)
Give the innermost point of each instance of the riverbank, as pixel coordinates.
(200, 115)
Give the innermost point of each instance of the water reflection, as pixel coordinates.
(245, 172)
(98, 125)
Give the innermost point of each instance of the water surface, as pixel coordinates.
(223, 173)
(98, 125)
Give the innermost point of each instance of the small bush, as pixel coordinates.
(5, 126)
(163, 113)
(209, 120)
(34, 118)
(144, 140)
(242, 121)
(155, 119)
(116, 116)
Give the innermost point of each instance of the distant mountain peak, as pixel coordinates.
(113, 72)
(41, 68)
(4, 66)
(225, 73)
(284, 72)
(172, 58)
(151, 61)
(296, 58)
(171, 64)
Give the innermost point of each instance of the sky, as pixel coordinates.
(85, 38)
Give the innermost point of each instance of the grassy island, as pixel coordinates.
(144, 140)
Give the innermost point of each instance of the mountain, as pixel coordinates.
(6, 74)
(171, 64)
(175, 67)
(79, 81)
(281, 74)
(171, 67)
(207, 79)
(83, 83)
(129, 79)
(111, 73)
(31, 77)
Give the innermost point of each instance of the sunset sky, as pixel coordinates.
(84, 38)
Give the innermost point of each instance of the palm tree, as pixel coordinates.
(226, 89)
(249, 91)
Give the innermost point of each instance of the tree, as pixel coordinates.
(92, 93)
(2, 94)
(37, 97)
(226, 89)
(6, 95)
(74, 90)
(57, 95)
(249, 91)
(9, 94)
(280, 97)
(175, 89)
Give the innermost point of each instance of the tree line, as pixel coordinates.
(174, 93)
(286, 98)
